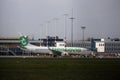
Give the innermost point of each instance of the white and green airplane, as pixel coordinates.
(59, 48)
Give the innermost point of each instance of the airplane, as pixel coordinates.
(59, 48)
(26, 46)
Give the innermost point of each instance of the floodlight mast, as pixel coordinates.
(56, 20)
(47, 25)
(41, 25)
(72, 18)
(83, 29)
(65, 25)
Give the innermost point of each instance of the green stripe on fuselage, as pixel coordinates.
(69, 50)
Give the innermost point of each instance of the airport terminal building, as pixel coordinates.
(99, 46)
(11, 46)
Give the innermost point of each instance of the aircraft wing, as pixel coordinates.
(58, 52)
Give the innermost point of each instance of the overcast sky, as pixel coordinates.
(101, 18)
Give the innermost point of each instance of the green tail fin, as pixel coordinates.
(23, 41)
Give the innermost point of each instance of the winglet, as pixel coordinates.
(20, 34)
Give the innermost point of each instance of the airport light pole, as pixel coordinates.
(83, 29)
(41, 25)
(72, 18)
(65, 25)
(47, 25)
(55, 19)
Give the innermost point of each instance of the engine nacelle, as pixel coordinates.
(64, 54)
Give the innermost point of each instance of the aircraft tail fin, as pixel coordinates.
(24, 41)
